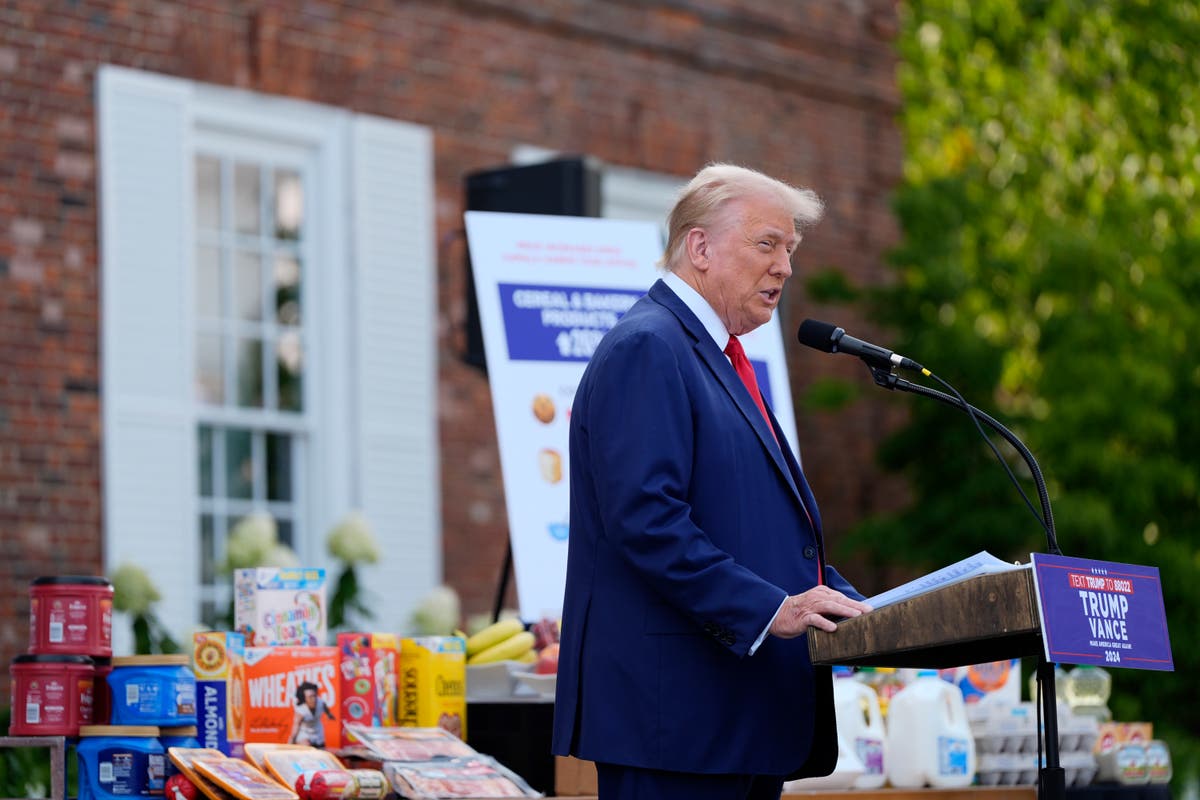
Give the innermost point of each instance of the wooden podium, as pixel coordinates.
(986, 618)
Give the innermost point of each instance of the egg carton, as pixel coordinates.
(1012, 728)
(1021, 769)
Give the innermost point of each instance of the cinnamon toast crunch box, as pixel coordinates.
(280, 605)
(218, 660)
(292, 696)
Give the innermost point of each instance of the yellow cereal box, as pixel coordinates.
(292, 696)
(433, 683)
(218, 660)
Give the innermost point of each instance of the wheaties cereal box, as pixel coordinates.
(280, 605)
(368, 674)
(218, 659)
(292, 696)
(433, 683)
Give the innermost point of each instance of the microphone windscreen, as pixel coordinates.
(816, 334)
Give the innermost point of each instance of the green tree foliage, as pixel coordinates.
(1050, 269)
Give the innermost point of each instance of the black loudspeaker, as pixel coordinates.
(566, 187)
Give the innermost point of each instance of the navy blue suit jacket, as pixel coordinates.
(688, 528)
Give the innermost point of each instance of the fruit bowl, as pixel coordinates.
(542, 685)
(491, 681)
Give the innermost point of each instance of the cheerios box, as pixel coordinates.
(433, 683)
(292, 695)
(280, 606)
(367, 670)
(218, 661)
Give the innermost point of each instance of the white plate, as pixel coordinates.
(541, 684)
(491, 681)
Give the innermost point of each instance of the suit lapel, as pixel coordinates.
(720, 367)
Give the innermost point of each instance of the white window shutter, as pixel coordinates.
(394, 329)
(149, 441)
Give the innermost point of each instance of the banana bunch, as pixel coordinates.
(501, 641)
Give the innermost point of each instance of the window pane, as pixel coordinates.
(239, 465)
(208, 193)
(279, 466)
(287, 289)
(247, 193)
(247, 284)
(208, 557)
(285, 533)
(208, 281)
(249, 373)
(289, 369)
(210, 378)
(206, 461)
(289, 204)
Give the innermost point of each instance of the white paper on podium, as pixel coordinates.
(982, 563)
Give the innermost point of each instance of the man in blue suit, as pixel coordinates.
(695, 563)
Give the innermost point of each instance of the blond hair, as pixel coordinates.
(704, 197)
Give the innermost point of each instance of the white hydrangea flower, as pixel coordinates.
(352, 541)
(251, 541)
(133, 591)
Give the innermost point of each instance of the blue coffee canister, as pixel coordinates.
(153, 690)
(119, 762)
(183, 736)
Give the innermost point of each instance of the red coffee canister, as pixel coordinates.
(70, 615)
(51, 695)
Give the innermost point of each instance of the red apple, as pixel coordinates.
(547, 660)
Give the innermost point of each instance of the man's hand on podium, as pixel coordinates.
(816, 608)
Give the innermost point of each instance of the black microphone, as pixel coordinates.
(832, 339)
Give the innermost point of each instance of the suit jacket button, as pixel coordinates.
(810, 551)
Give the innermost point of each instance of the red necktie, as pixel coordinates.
(745, 371)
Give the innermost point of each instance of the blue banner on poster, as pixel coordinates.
(1102, 613)
(559, 323)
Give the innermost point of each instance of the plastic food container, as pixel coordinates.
(117, 762)
(153, 690)
(70, 615)
(51, 695)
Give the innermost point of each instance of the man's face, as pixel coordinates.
(747, 260)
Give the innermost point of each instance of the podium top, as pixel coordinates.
(987, 618)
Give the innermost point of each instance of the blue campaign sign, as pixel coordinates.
(1102, 613)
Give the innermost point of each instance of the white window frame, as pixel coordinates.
(373, 343)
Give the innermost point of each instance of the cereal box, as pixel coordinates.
(218, 660)
(433, 683)
(368, 674)
(280, 605)
(292, 696)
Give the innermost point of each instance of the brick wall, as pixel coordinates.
(803, 90)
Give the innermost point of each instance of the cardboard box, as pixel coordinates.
(218, 660)
(367, 670)
(574, 777)
(433, 683)
(275, 678)
(280, 606)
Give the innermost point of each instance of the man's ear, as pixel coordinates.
(697, 244)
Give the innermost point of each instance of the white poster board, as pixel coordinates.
(548, 288)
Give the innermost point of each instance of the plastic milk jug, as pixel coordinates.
(860, 723)
(929, 740)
